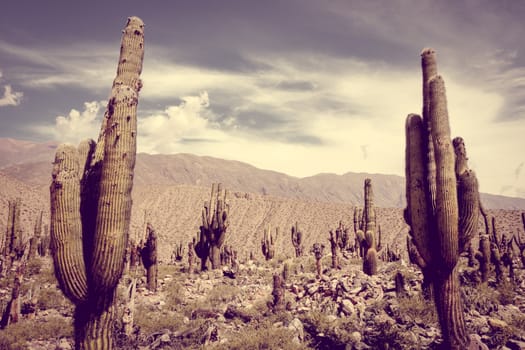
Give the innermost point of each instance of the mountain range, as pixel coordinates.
(169, 191)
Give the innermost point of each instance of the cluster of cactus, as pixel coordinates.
(91, 203)
(148, 253)
(297, 240)
(178, 252)
(442, 202)
(318, 250)
(495, 252)
(213, 229)
(365, 228)
(268, 242)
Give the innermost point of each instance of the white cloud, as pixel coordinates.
(172, 129)
(77, 125)
(11, 98)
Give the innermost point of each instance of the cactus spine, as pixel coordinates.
(436, 180)
(91, 203)
(215, 223)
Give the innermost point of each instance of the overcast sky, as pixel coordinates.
(298, 86)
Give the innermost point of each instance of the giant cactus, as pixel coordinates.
(91, 203)
(442, 201)
(215, 222)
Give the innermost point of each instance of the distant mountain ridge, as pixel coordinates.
(31, 163)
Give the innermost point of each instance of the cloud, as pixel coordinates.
(77, 125)
(187, 124)
(11, 98)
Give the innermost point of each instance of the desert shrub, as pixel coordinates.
(328, 331)
(262, 335)
(222, 293)
(418, 309)
(51, 298)
(16, 335)
(174, 295)
(33, 267)
(481, 298)
(149, 319)
(506, 292)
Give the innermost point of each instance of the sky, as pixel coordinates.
(298, 86)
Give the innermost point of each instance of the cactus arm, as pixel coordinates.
(468, 195)
(417, 212)
(66, 227)
(429, 69)
(447, 213)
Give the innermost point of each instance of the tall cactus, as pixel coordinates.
(215, 222)
(14, 247)
(35, 240)
(442, 200)
(297, 240)
(369, 214)
(91, 203)
(148, 254)
(268, 242)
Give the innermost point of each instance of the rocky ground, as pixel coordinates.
(344, 309)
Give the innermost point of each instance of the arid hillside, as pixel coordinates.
(170, 191)
(176, 169)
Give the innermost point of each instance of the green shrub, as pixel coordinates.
(16, 335)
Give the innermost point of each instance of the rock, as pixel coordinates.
(496, 323)
(347, 307)
(312, 288)
(297, 328)
(476, 343)
(63, 344)
(165, 338)
(355, 337)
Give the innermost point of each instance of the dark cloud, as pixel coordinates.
(188, 140)
(296, 85)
